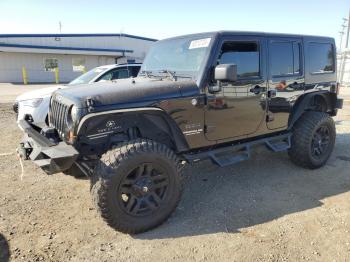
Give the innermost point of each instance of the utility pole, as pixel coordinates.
(60, 26)
(341, 33)
(347, 33)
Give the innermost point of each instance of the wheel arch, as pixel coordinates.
(149, 123)
(316, 101)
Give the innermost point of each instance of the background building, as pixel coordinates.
(41, 58)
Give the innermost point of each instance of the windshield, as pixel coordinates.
(183, 56)
(87, 77)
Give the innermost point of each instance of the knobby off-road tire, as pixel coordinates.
(313, 140)
(137, 185)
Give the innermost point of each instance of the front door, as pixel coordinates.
(239, 108)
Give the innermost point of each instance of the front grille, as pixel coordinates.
(58, 116)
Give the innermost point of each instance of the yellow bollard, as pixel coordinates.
(24, 75)
(57, 75)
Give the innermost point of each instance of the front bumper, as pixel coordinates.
(50, 156)
(339, 103)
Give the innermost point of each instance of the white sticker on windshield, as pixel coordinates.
(200, 43)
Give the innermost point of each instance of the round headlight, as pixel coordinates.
(72, 116)
(74, 113)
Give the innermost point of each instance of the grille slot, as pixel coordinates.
(58, 116)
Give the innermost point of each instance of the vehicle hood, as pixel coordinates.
(39, 93)
(132, 92)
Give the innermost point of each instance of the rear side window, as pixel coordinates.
(321, 58)
(284, 59)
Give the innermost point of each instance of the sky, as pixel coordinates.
(162, 19)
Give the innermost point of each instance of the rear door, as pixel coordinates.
(286, 79)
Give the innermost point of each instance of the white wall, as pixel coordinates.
(139, 46)
(344, 68)
(11, 66)
(17, 51)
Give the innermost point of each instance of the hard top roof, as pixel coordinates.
(251, 33)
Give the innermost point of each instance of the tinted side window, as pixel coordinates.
(297, 54)
(285, 58)
(120, 74)
(281, 55)
(107, 76)
(321, 58)
(134, 70)
(244, 54)
(117, 73)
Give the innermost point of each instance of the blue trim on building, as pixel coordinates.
(76, 35)
(65, 48)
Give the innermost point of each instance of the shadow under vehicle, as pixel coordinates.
(4, 249)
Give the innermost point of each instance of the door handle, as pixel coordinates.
(256, 90)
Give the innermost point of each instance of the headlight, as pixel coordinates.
(31, 102)
(72, 115)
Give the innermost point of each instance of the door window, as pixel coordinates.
(134, 70)
(297, 54)
(118, 73)
(284, 58)
(244, 54)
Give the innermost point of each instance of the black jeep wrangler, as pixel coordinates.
(203, 96)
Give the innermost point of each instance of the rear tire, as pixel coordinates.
(313, 140)
(137, 185)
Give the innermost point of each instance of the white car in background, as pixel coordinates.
(34, 105)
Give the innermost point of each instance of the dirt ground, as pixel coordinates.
(264, 209)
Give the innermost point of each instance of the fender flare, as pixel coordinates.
(303, 104)
(154, 115)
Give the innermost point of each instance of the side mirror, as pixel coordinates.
(214, 89)
(226, 72)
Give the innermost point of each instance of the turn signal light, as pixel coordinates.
(71, 137)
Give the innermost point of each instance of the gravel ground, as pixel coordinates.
(264, 209)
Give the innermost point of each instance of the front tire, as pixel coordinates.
(313, 140)
(137, 185)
